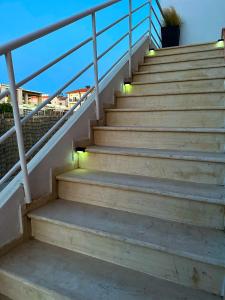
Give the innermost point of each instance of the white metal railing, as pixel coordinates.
(7, 49)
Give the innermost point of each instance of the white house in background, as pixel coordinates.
(198, 17)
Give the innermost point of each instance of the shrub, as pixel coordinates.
(5, 108)
(171, 17)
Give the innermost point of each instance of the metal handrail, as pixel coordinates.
(43, 104)
(49, 29)
(155, 14)
(155, 41)
(139, 23)
(139, 7)
(160, 8)
(61, 57)
(45, 137)
(159, 37)
(9, 47)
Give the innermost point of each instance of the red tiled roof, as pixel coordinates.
(84, 90)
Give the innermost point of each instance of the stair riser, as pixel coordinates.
(209, 142)
(177, 169)
(198, 118)
(194, 48)
(137, 257)
(172, 101)
(19, 289)
(185, 56)
(182, 75)
(175, 66)
(198, 86)
(159, 206)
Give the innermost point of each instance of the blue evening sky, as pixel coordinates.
(19, 17)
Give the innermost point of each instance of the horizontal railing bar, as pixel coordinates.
(109, 70)
(159, 37)
(43, 104)
(160, 8)
(46, 67)
(155, 14)
(111, 25)
(49, 65)
(121, 57)
(113, 45)
(157, 44)
(138, 24)
(140, 38)
(139, 7)
(51, 28)
(43, 139)
(56, 125)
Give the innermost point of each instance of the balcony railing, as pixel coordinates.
(154, 14)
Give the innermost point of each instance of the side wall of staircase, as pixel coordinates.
(57, 155)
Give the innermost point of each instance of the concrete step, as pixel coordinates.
(191, 256)
(209, 72)
(185, 56)
(207, 100)
(176, 117)
(189, 203)
(36, 270)
(187, 49)
(175, 87)
(191, 139)
(181, 65)
(188, 166)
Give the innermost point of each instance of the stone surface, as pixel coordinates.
(175, 252)
(193, 139)
(39, 269)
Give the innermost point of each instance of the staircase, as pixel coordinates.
(143, 215)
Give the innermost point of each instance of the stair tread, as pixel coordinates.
(160, 129)
(164, 109)
(76, 276)
(216, 49)
(194, 191)
(179, 80)
(179, 70)
(177, 60)
(120, 95)
(160, 153)
(187, 46)
(196, 243)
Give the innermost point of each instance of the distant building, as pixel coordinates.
(76, 95)
(24, 96)
(60, 102)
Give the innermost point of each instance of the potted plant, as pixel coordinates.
(171, 28)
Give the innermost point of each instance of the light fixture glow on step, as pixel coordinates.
(220, 43)
(152, 52)
(80, 149)
(127, 88)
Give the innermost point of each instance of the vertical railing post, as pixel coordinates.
(95, 58)
(150, 22)
(18, 126)
(130, 39)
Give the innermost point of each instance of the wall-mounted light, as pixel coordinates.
(127, 86)
(127, 81)
(152, 52)
(80, 149)
(220, 43)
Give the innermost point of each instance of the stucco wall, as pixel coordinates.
(57, 154)
(202, 19)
